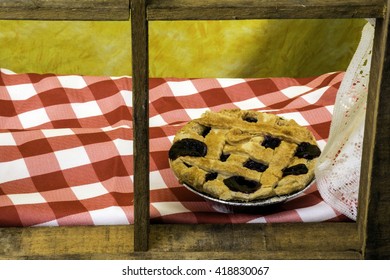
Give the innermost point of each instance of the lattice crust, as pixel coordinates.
(244, 155)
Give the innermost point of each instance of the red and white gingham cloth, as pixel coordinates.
(66, 149)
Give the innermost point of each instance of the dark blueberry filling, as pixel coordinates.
(298, 169)
(250, 119)
(255, 165)
(206, 131)
(239, 183)
(187, 147)
(211, 176)
(307, 151)
(271, 142)
(224, 157)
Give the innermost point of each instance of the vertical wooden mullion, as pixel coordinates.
(374, 196)
(139, 30)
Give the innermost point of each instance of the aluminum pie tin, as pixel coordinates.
(248, 204)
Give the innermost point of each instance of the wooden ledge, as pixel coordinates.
(262, 9)
(65, 9)
(185, 241)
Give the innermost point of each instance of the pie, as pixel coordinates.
(243, 155)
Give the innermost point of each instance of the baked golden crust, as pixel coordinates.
(244, 155)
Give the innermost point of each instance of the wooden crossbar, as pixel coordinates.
(262, 9)
(65, 9)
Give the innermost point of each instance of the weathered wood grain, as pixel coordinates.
(262, 9)
(255, 237)
(65, 9)
(244, 241)
(374, 199)
(259, 255)
(65, 242)
(140, 123)
(219, 255)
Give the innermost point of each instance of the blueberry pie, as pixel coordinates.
(242, 155)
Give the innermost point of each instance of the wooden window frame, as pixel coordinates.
(368, 238)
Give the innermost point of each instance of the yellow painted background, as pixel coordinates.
(253, 48)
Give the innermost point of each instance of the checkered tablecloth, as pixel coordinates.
(66, 149)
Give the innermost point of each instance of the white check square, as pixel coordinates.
(70, 158)
(13, 170)
(21, 92)
(196, 113)
(26, 198)
(182, 88)
(6, 139)
(52, 223)
(109, 216)
(316, 213)
(57, 132)
(157, 121)
(321, 144)
(34, 118)
(252, 103)
(124, 147)
(7, 71)
(330, 108)
(127, 97)
(227, 82)
(294, 91)
(156, 181)
(72, 81)
(313, 97)
(168, 208)
(86, 109)
(89, 191)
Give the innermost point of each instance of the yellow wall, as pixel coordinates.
(258, 48)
